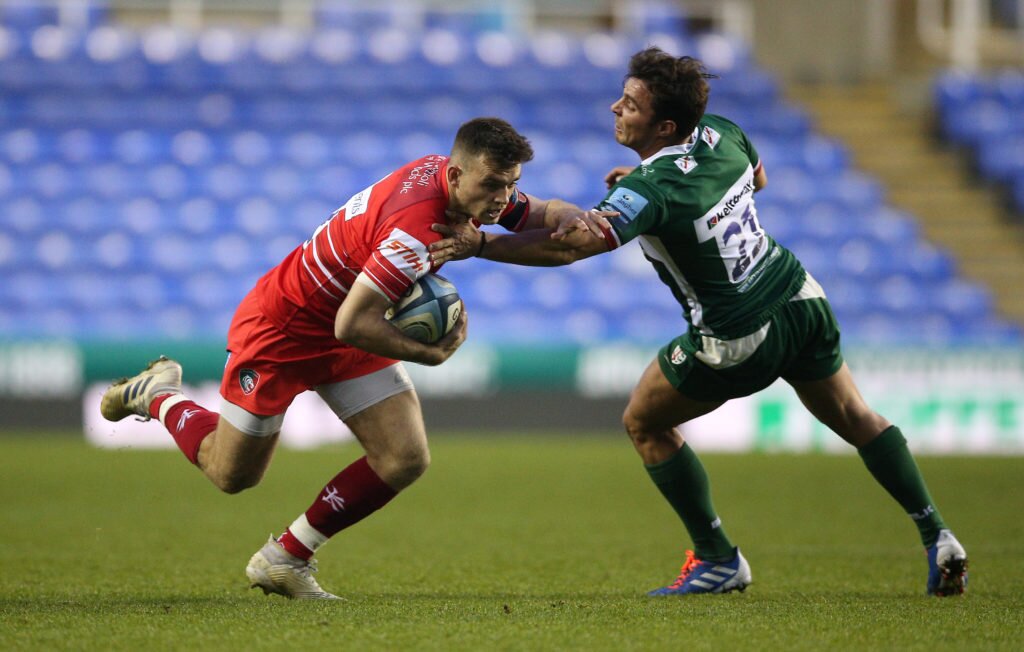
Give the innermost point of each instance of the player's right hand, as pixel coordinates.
(461, 241)
(594, 221)
(451, 342)
(617, 173)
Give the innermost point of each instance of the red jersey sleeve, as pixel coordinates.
(401, 256)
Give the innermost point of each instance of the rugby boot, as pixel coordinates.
(275, 570)
(698, 576)
(947, 566)
(129, 396)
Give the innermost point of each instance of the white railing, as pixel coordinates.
(966, 34)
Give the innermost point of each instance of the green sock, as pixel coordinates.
(684, 483)
(890, 461)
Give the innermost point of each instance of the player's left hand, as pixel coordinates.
(461, 240)
(593, 220)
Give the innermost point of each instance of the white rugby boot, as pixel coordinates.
(275, 570)
(947, 566)
(129, 396)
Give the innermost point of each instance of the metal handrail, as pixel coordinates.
(964, 33)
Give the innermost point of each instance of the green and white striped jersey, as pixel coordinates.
(692, 207)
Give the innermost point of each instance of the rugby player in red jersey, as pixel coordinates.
(316, 321)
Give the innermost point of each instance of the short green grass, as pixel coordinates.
(508, 542)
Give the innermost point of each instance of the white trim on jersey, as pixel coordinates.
(675, 150)
(323, 268)
(319, 285)
(330, 241)
(654, 248)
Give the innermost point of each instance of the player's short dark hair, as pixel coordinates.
(678, 86)
(496, 139)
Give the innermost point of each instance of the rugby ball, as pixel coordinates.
(428, 310)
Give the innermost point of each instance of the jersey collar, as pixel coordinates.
(675, 150)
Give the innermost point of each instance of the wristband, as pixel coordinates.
(483, 241)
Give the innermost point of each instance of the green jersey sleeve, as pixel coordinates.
(752, 155)
(639, 204)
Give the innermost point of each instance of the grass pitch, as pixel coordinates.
(506, 543)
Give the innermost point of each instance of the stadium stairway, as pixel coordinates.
(927, 180)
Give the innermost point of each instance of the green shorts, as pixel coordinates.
(801, 342)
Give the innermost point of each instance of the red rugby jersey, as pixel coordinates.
(383, 230)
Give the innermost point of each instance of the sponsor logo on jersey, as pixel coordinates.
(686, 163)
(678, 357)
(358, 204)
(729, 205)
(405, 252)
(710, 136)
(627, 202)
(421, 174)
(248, 379)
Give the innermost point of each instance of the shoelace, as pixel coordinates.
(688, 566)
(307, 569)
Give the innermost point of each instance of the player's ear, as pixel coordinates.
(452, 174)
(667, 129)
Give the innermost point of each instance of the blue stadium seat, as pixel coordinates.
(983, 120)
(196, 161)
(1002, 160)
(1008, 88)
(962, 301)
(27, 15)
(358, 19)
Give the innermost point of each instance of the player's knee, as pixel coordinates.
(414, 461)
(864, 426)
(403, 466)
(638, 429)
(237, 481)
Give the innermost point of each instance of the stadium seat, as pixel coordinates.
(232, 146)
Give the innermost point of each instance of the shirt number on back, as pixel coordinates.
(742, 244)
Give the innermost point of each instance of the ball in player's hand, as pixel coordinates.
(428, 310)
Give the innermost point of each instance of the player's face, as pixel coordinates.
(635, 126)
(482, 190)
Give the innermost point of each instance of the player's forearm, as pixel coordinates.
(534, 248)
(549, 213)
(377, 335)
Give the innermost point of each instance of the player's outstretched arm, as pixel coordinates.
(539, 249)
(561, 217)
(574, 233)
(360, 322)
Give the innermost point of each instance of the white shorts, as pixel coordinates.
(345, 399)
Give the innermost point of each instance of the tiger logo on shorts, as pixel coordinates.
(248, 379)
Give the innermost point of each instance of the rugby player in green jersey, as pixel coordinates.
(754, 313)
